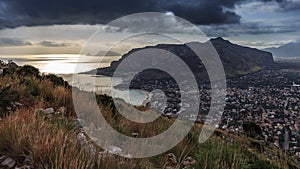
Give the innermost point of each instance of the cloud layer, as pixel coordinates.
(15, 13)
(4, 42)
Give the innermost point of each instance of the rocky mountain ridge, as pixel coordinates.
(236, 59)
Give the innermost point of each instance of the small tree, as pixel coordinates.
(252, 129)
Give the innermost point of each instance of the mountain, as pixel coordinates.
(287, 50)
(106, 53)
(236, 59)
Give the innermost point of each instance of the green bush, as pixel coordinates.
(58, 81)
(29, 71)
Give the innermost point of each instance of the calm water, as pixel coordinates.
(103, 85)
(67, 65)
(62, 63)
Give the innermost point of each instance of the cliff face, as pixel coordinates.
(236, 59)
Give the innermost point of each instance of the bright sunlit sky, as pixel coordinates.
(62, 27)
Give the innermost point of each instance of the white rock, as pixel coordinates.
(114, 150)
(2, 158)
(18, 104)
(134, 134)
(1, 71)
(82, 139)
(23, 167)
(49, 111)
(10, 163)
(128, 156)
(189, 161)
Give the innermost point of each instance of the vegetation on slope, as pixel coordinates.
(52, 142)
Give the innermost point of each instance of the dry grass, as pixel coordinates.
(47, 145)
(33, 92)
(52, 143)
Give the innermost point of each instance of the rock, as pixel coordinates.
(134, 134)
(128, 156)
(9, 163)
(2, 158)
(49, 111)
(114, 150)
(17, 104)
(170, 161)
(189, 161)
(8, 108)
(88, 147)
(82, 139)
(23, 167)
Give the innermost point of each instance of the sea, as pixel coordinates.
(69, 66)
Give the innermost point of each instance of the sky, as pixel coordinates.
(58, 27)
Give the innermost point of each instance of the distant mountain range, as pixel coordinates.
(289, 50)
(106, 53)
(236, 59)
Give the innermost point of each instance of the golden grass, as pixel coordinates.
(47, 145)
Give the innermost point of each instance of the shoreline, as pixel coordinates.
(148, 95)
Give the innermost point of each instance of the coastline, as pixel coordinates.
(148, 95)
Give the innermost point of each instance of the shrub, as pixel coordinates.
(29, 71)
(58, 81)
(252, 129)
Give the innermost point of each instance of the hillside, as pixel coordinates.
(39, 129)
(236, 59)
(287, 50)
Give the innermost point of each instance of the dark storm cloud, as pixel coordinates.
(15, 13)
(13, 42)
(205, 12)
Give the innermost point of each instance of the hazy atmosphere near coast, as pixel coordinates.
(153, 84)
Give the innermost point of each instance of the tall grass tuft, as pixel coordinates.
(44, 144)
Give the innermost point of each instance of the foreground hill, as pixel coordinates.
(236, 59)
(38, 129)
